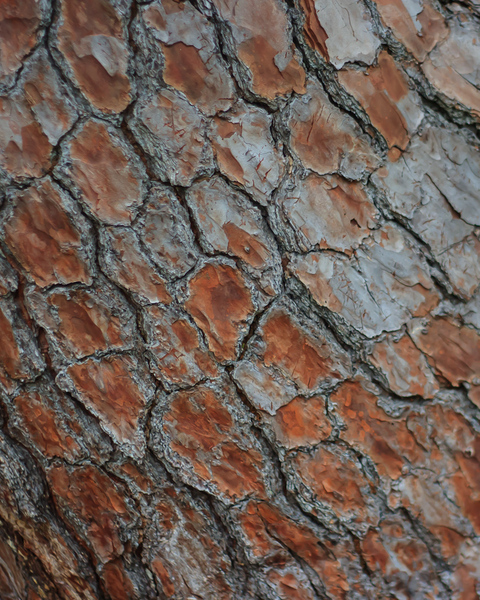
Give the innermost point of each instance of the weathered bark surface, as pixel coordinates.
(240, 325)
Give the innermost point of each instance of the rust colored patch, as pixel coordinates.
(43, 239)
(453, 350)
(45, 428)
(202, 430)
(327, 140)
(384, 94)
(305, 544)
(10, 359)
(25, 148)
(91, 39)
(96, 502)
(295, 352)
(243, 245)
(465, 580)
(474, 394)
(289, 586)
(264, 46)
(312, 28)
(20, 358)
(466, 483)
(301, 422)
(18, 25)
(220, 303)
(117, 581)
(268, 80)
(102, 170)
(162, 573)
(386, 440)
(83, 324)
(419, 33)
(337, 482)
(129, 470)
(107, 387)
(401, 557)
(193, 63)
(186, 71)
(33, 118)
(176, 348)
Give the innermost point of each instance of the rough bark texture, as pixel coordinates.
(240, 325)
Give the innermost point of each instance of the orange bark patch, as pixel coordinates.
(314, 32)
(44, 427)
(386, 440)
(18, 25)
(193, 63)
(94, 499)
(107, 387)
(162, 574)
(202, 430)
(291, 349)
(185, 70)
(419, 33)
(327, 140)
(10, 359)
(43, 238)
(453, 350)
(305, 544)
(103, 172)
(176, 349)
(384, 94)
(302, 422)
(25, 148)
(99, 68)
(220, 303)
(336, 482)
(33, 118)
(85, 325)
(268, 80)
(264, 45)
(117, 581)
(401, 557)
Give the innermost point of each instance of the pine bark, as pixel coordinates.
(240, 325)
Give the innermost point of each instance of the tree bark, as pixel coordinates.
(239, 261)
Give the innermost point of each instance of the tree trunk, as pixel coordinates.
(240, 351)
